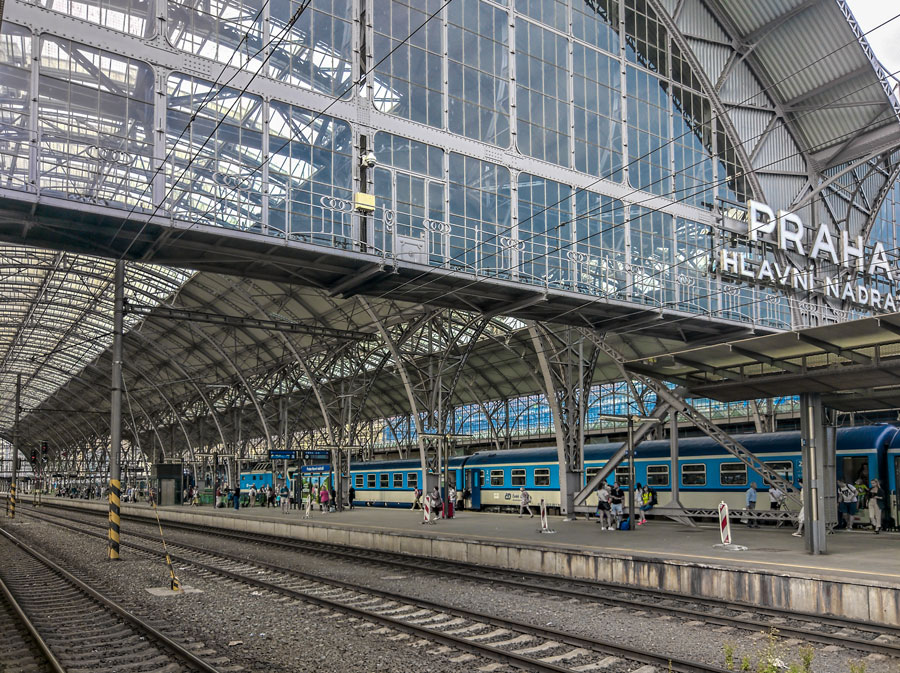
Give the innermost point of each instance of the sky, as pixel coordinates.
(885, 41)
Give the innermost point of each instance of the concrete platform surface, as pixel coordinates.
(851, 554)
(859, 577)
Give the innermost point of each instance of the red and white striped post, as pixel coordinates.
(724, 523)
(426, 508)
(545, 526)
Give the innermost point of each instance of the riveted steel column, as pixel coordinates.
(11, 495)
(815, 483)
(115, 423)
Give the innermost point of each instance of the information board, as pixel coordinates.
(282, 455)
(315, 469)
(317, 454)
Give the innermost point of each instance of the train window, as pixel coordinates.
(518, 477)
(398, 480)
(657, 475)
(622, 474)
(412, 479)
(590, 472)
(733, 474)
(496, 477)
(359, 481)
(542, 476)
(370, 480)
(383, 480)
(693, 474)
(783, 468)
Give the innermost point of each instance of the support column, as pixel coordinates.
(14, 467)
(814, 446)
(567, 368)
(115, 423)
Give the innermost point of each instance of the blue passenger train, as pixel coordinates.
(707, 473)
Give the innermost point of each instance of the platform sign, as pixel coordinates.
(317, 454)
(315, 469)
(724, 524)
(282, 455)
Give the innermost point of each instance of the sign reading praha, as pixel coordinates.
(785, 231)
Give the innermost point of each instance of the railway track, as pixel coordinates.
(22, 645)
(73, 627)
(514, 643)
(862, 636)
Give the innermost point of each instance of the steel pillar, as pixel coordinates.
(818, 451)
(115, 421)
(14, 468)
(567, 373)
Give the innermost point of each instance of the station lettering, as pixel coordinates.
(866, 278)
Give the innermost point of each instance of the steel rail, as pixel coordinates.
(49, 657)
(466, 573)
(482, 649)
(132, 619)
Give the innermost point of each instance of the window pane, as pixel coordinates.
(412, 479)
(542, 477)
(370, 480)
(496, 477)
(657, 475)
(693, 475)
(518, 477)
(733, 474)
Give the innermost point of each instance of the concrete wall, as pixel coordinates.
(847, 598)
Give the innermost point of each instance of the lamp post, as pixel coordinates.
(630, 418)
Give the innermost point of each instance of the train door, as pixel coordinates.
(895, 494)
(473, 479)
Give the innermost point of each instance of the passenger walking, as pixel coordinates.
(751, 506)
(323, 499)
(525, 502)
(270, 497)
(876, 504)
(351, 496)
(604, 513)
(237, 497)
(639, 504)
(616, 501)
(252, 496)
(451, 502)
(417, 498)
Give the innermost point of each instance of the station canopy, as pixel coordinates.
(855, 365)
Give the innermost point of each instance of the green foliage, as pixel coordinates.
(729, 656)
(806, 657)
(858, 666)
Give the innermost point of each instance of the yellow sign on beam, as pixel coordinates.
(363, 202)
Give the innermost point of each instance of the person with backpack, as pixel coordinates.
(525, 502)
(417, 498)
(616, 501)
(604, 513)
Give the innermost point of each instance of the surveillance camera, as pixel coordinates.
(369, 160)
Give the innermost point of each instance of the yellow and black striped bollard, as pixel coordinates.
(12, 501)
(115, 490)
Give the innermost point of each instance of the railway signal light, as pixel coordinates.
(34, 456)
(45, 451)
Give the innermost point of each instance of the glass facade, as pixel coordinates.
(563, 143)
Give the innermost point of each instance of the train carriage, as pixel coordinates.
(707, 474)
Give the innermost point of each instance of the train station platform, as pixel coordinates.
(858, 578)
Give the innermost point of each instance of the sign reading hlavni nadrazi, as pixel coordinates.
(859, 274)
